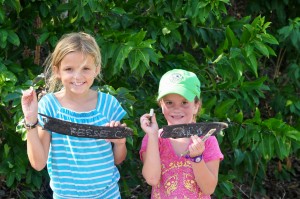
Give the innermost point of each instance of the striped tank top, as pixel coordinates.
(82, 167)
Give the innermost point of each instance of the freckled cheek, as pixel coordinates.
(166, 111)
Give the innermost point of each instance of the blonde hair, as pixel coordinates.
(72, 42)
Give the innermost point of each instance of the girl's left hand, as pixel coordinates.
(197, 147)
(115, 124)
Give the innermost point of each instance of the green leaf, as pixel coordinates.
(285, 31)
(207, 105)
(246, 35)
(28, 176)
(256, 119)
(43, 38)
(15, 4)
(267, 146)
(222, 109)
(13, 38)
(145, 57)
(87, 15)
(249, 28)
(257, 21)
(295, 34)
(3, 44)
(44, 9)
(269, 39)
(2, 15)
(271, 51)
(166, 31)
(218, 58)
(293, 134)
(261, 47)
(249, 49)
(225, 1)
(37, 181)
(118, 10)
(275, 124)
(154, 57)
(3, 35)
(238, 117)
(235, 52)
(10, 178)
(203, 14)
(136, 39)
(253, 85)
(249, 161)
(281, 147)
(240, 133)
(201, 4)
(53, 40)
(257, 116)
(28, 194)
(122, 54)
(237, 67)
(134, 59)
(6, 150)
(226, 188)
(253, 64)
(208, 52)
(238, 157)
(65, 7)
(11, 97)
(136, 56)
(266, 26)
(230, 36)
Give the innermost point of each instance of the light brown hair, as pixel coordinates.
(72, 42)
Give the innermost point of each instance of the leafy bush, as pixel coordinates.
(248, 67)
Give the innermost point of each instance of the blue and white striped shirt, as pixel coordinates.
(82, 167)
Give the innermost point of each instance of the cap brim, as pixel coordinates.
(180, 90)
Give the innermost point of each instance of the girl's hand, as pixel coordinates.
(29, 104)
(115, 124)
(149, 124)
(197, 147)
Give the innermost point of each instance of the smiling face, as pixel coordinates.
(178, 110)
(77, 72)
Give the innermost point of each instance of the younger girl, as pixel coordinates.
(170, 174)
(78, 167)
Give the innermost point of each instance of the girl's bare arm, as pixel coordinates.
(208, 171)
(120, 151)
(151, 158)
(38, 140)
(119, 145)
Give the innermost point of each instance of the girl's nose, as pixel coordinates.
(177, 106)
(77, 76)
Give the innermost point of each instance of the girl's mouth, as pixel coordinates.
(78, 83)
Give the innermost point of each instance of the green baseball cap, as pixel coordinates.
(180, 82)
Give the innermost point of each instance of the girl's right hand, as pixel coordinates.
(30, 105)
(150, 127)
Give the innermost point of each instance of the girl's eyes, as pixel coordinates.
(168, 102)
(70, 69)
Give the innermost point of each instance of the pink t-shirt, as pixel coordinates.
(177, 178)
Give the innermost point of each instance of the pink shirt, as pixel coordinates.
(177, 178)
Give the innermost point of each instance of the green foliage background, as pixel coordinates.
(245, 53)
